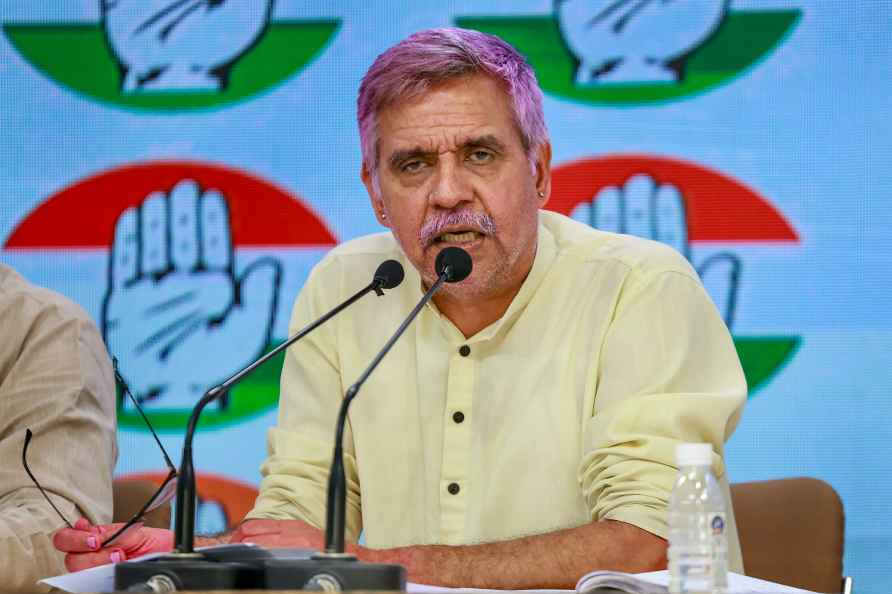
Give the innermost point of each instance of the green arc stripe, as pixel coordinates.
(762, 357)
(77, 57)
(257, 394)
(740, 42)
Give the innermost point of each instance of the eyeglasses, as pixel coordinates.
(164, 493)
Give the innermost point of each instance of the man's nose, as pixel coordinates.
(449, 188)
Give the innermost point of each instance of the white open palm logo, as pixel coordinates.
(658, 211)
(175, 312)
(181, 45)
(634, 41)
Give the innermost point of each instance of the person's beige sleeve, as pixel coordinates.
(670, 374)
(56, 379)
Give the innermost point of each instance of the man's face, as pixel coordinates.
(452, 172)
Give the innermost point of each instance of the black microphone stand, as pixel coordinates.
(184, 524)
(333, 569)
(233, 567)
(335, 525)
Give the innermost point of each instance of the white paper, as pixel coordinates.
(737, 584)
(413, 588)
(96, 579)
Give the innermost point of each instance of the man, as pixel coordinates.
(56, 380)
(522, 432)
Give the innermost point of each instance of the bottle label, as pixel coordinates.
(698, 564)
(717, 523)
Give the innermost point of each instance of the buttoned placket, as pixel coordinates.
(454, 482)
(455, 486)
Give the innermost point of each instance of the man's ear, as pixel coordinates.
(543, 173)
(374, 195)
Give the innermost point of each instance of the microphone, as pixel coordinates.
(333, 570)
(453, 265)
(387, 276)
(184, 562)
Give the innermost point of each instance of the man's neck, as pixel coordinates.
(472, 314)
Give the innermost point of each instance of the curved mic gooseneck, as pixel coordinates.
(452, 265)
(387, 276)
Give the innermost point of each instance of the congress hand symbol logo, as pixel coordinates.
(634, 41)
(181, 45)
(193, 267)
(658, 211)
(174, 310)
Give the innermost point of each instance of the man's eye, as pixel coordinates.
(411, 166)
(480, 156)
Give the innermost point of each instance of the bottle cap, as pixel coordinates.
(693, 454)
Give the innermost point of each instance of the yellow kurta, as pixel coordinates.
(564, 411)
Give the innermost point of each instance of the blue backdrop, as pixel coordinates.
(764, 125)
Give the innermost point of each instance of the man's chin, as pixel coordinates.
(474, 248)
(469, 289)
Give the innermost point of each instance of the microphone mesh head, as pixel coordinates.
(455, 262)
(390, 274)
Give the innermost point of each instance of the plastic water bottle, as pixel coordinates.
(698, 545)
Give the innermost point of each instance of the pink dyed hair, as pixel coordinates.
(424, 59)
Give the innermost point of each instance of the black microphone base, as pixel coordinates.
(228, 567)
(189, 575)
(334, 574)
(258, 569)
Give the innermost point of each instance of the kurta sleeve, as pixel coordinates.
(56, 379)
(295, 472)
(669, 374)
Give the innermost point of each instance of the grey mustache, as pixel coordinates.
(476, 221)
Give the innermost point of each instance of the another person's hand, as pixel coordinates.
(82, 544)
(280, 534)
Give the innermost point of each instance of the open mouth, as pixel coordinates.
(458, 237)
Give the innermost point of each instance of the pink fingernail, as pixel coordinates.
(117, 557)
(92, 542)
